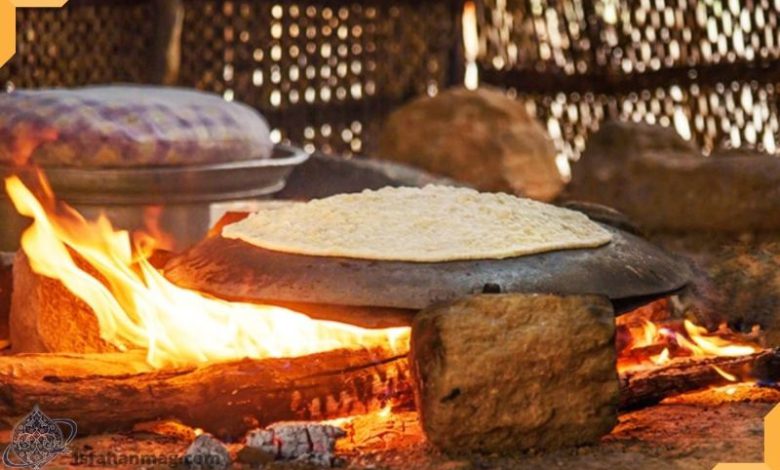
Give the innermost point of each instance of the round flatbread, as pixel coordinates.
(431, 224)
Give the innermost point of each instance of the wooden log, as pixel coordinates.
(112, 392)
(647, 387)
(6, 286)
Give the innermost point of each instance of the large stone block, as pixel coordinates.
(480, 137)
(664, 183)
(511, 372)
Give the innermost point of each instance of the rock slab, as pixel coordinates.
(480, 137)
(46, 317)
(664, 183)
(513, 372)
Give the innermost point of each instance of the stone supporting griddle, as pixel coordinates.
(512, 372)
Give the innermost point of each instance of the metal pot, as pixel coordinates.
(181, 201)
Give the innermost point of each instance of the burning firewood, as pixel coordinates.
(649, 386)
(226, 399)
(661, 356)
(329, 370)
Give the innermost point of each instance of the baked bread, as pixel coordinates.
(430, 224)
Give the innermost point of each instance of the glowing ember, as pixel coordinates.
(378, 430)
(136, 307)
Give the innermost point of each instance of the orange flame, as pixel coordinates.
(724, 374)
(706, 344)
(651, 344)
(136, 307)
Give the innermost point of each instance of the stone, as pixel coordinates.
(604, 161)
(663, 182)
(207, 453)
(254, 457)
(481, 137)
(514, 372)
(46, 317)
(326, 175)
(736, 280)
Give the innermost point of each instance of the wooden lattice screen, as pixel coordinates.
(710, 68)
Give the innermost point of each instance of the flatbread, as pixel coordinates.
(431, 224)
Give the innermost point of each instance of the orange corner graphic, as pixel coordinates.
(771, 446)
(8, 22)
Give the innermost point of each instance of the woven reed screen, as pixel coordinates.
(324, 72)
(709, 68)
(83, 43)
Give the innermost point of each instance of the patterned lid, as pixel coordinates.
(121, 126)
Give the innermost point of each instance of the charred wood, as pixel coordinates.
(647, 387)
(309, 442)
(6, 285)
(112, 392)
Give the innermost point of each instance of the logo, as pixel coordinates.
(8, 22)
(37, 440)
(771, 449)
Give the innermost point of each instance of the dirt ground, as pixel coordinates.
(668, 436)
(694, 431)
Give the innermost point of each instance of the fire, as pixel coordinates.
(378, 430)
(713, 345)
(725, 375)
(137, 307)
(660, 342)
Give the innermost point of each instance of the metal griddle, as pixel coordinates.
(629, 270)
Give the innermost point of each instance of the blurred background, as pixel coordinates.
(327, 73)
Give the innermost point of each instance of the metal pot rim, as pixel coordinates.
(284, 155)
(171, 184)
